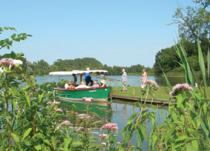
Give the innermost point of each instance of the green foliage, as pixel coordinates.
(187, 126)
(168, 60)
(7, 42)
(193, 22)
(189, 76)
(208, 65)
(41, 67)
(76, 64)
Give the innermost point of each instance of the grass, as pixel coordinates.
(161, 94)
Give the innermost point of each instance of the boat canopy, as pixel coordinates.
(62, 73)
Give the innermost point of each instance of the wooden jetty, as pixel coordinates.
(147, 101)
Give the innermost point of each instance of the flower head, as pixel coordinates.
(103, 143)
(103, 136)
(180, 88)
(65, 123)
(10, 62)
(110, 126)
(58, 110)
(152, 84)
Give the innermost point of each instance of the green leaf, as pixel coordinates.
(38, 147)
(40, 97)
(26, 133)
(202, 63)
(27, 97)
(165, 76)
(15, 137)
(193, 146)
(208, 64)
(189, 76)
(66, 144)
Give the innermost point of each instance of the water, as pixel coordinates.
(133, 80)
(121, 110)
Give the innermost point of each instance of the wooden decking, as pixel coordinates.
(147, 101)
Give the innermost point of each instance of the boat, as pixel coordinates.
(96, 99)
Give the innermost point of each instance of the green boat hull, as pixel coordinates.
(76, 100)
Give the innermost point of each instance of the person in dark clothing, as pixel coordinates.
(75, 78)
(88, 79)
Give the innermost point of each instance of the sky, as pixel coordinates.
(116, 32)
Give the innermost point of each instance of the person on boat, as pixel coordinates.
(69, 86)
(75, 79)
(88, 80)
(95, 84)
(143, 78)
(82, 86)
(66, 85)
(124, 80)
(103, 83)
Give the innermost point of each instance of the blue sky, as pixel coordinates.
(116, 32)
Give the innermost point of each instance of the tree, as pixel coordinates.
(194, 22)
(41, 67)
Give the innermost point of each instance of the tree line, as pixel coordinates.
(42, 67)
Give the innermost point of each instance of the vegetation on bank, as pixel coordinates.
(161, 94)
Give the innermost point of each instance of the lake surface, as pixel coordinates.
(121, 110)
(133, 80)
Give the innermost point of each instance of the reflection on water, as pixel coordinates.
(121, 111)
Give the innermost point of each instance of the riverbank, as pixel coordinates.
(162, 94)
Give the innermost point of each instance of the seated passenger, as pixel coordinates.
(82, 86)
(69, 86)
(66, 85)
(95, 84)
(103, 83)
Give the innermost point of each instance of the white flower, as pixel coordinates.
(17, 62)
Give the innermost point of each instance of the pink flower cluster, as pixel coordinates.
(65, 123)
(152, 83)
(10, 62)
(180, 88)
(110, 126)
